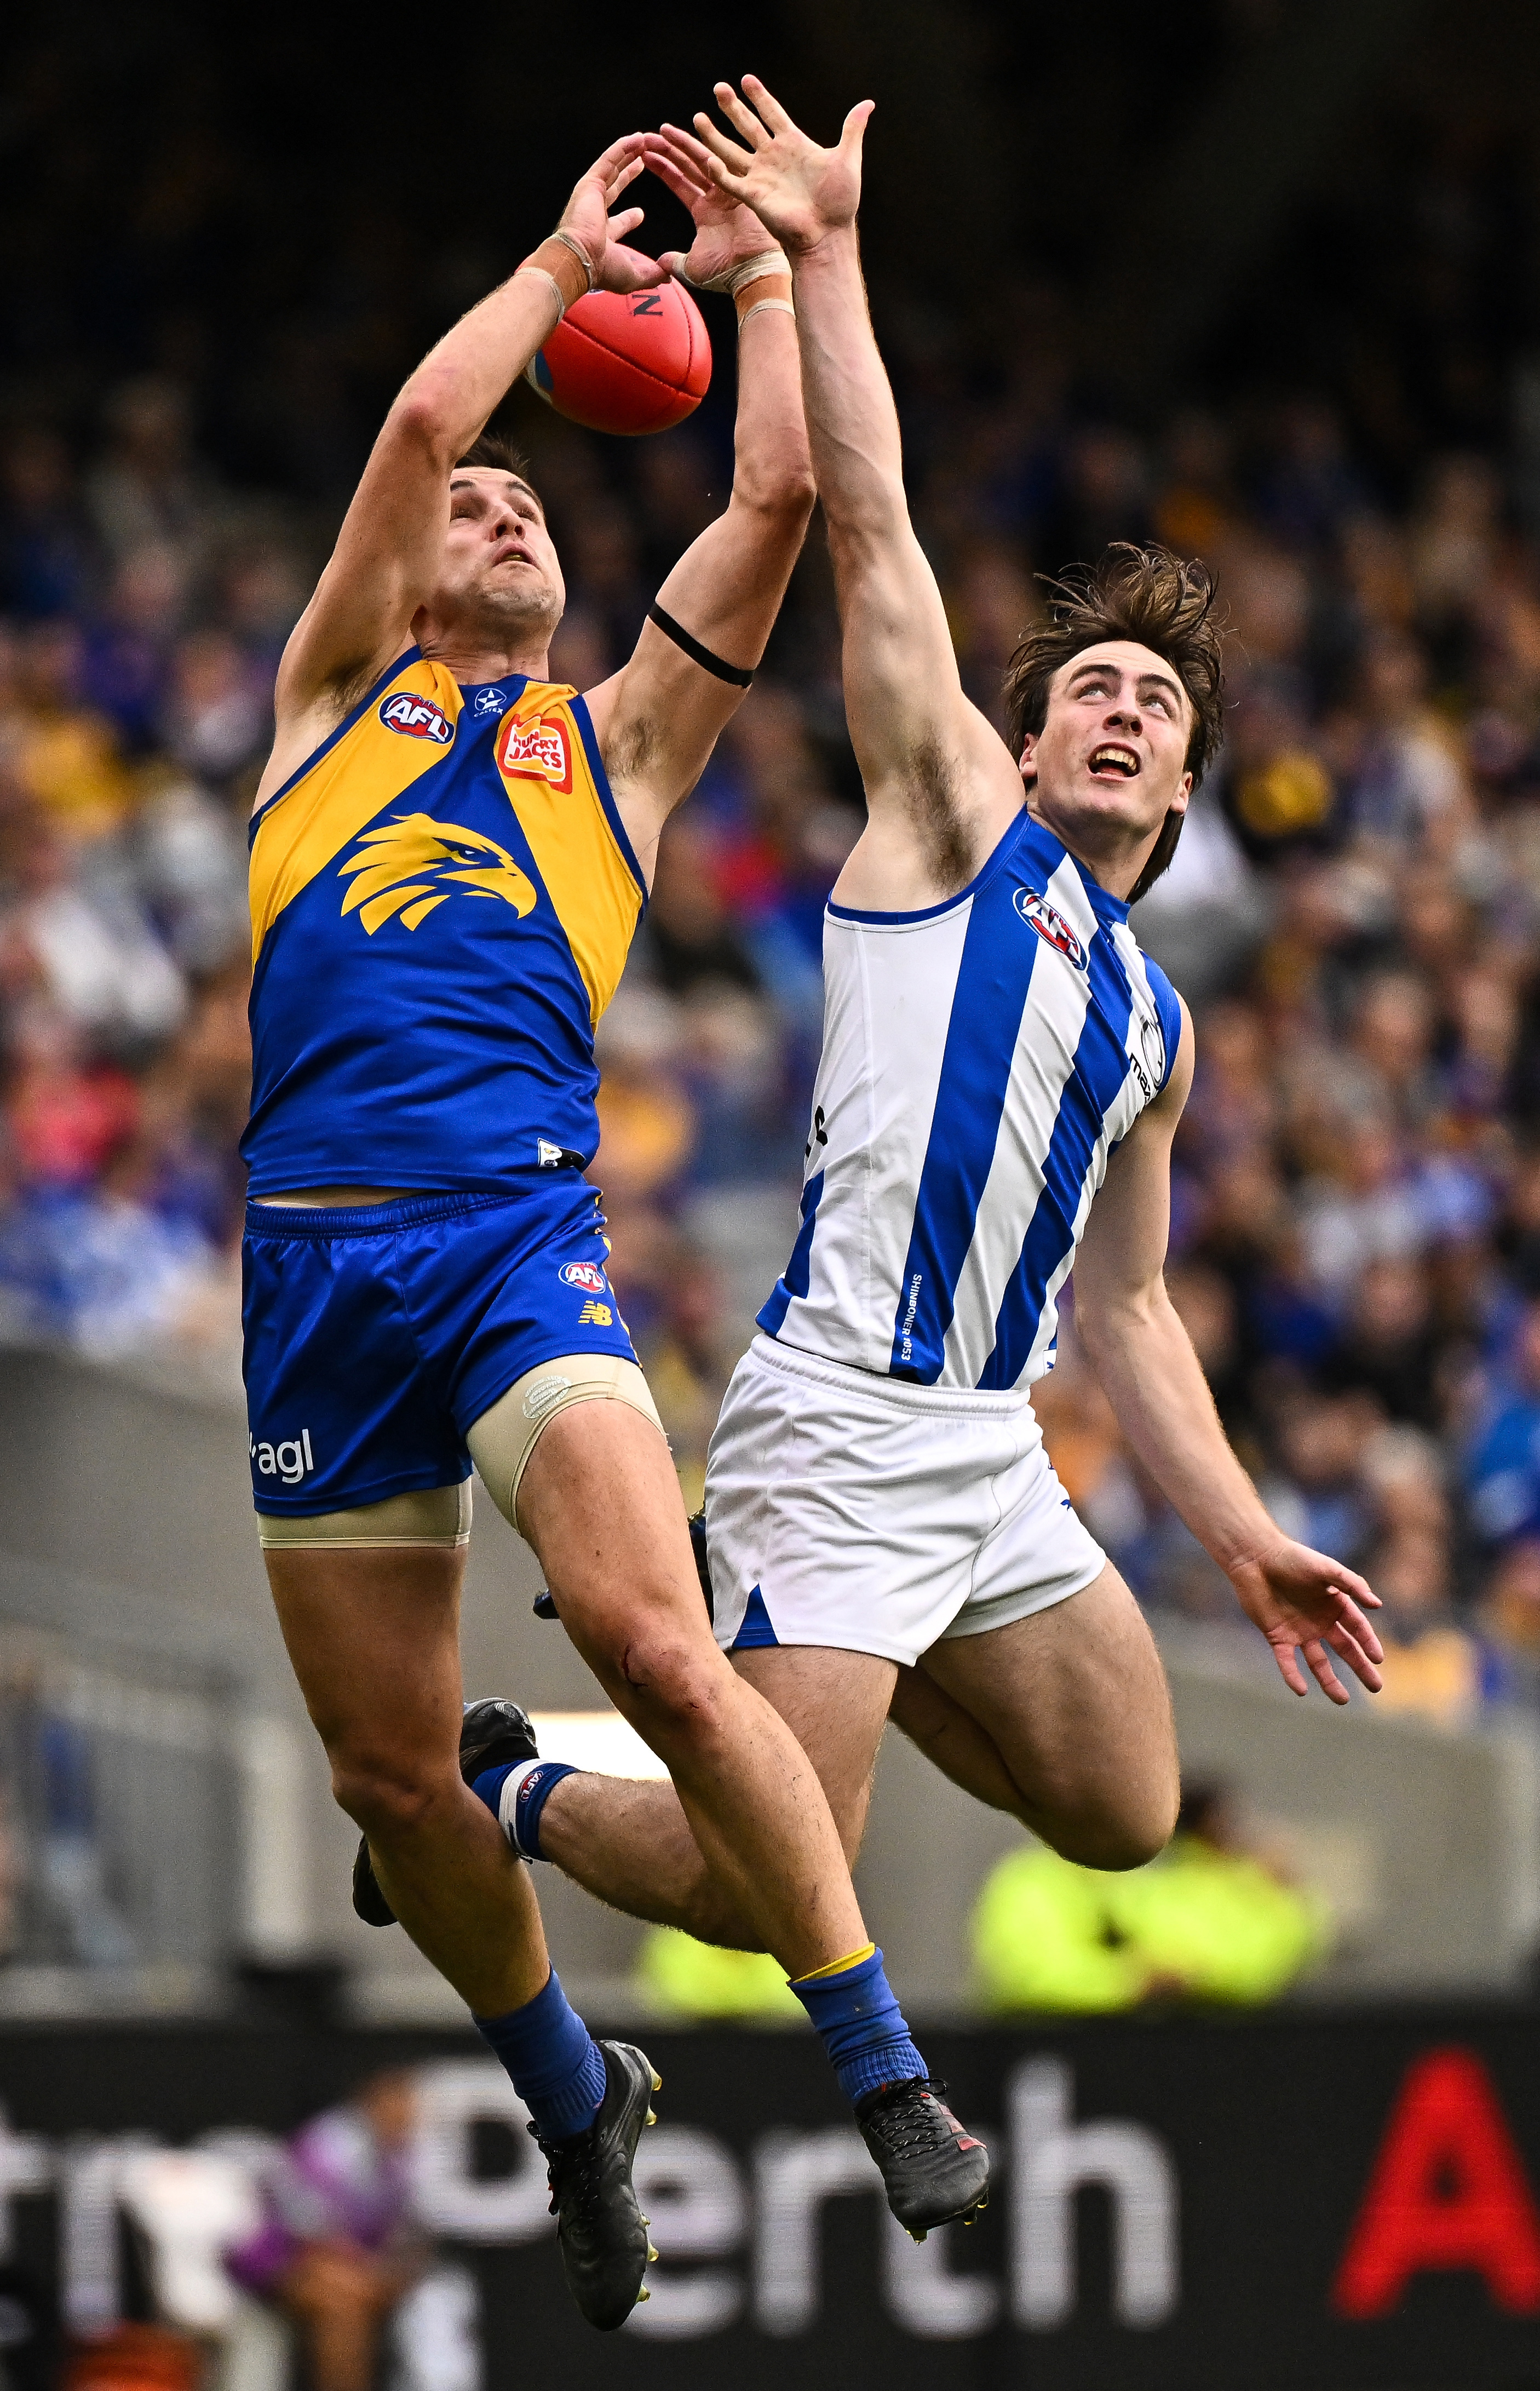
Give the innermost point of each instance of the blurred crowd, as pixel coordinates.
(1354, 913)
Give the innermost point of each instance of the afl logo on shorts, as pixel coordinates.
(1050, 923)
(587, 1276)
(417, 718)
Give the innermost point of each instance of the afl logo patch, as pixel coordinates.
(1152, 1038)
(587, 1276)
(1050, 923)
(417, 718)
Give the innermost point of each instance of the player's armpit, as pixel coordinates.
(657, 721)
(659, 718)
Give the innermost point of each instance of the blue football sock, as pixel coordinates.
(555, 2066)
(539, 1782)
(861, 2026)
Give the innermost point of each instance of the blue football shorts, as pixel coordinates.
(376, 1335)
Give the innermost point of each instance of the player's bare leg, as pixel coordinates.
(374, 1638)
(1073, 1705)
(629, 1841)
(1062, 1719)
(600, 1504)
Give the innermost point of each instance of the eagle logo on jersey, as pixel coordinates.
(1050, 923)
(537, 750)
(406, 868)
(417, 718)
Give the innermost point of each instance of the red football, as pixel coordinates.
(630, 362)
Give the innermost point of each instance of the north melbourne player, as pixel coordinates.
(449, 855)
(1002, 1071)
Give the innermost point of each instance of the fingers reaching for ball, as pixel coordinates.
(799, 190)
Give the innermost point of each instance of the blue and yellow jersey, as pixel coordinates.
(442, 902)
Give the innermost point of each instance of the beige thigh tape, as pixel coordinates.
(437, 1514)
(503, 1438)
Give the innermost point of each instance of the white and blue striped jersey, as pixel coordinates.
(981, 1060)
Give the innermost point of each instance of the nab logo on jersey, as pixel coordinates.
(585, 1275)
(417, 718)
(1050, 923)
(536, 750)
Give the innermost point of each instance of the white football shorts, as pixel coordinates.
(845, 1509)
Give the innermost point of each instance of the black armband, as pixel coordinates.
(694, 650)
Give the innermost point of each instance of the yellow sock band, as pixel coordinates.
(834, 1967)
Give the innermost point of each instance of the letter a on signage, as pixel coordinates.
(1448, 2192)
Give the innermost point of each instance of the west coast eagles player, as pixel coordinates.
(449, 854)
(1003, 1070)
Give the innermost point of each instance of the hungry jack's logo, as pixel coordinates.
(536, 750)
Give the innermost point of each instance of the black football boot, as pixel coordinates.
(491, 1732)
(933, 2171)
(605, 2250)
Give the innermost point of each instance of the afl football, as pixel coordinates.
(632, 361)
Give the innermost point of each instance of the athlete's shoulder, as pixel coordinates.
(1028, 853)
(398, 733)
(413, 699)
(1171, 1012)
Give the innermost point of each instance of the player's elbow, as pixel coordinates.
(779, 495)
(1104, 1325)
(871, 514)
(429, 416)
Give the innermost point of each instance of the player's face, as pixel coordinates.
(1112, 753)
(500, 574)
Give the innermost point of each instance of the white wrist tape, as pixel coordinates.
(581, 254)
(768, 307)
(733, 278)
(542, 276)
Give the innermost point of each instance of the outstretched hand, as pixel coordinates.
(799, 190)
(727, 233)
(600, 235)
(1304, 1602)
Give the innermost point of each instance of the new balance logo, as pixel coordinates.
(596, 1315)
(290, 1461)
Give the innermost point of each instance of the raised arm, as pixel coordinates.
(940, 788)
(1302, 1601)
(392, 538)
(658, 718)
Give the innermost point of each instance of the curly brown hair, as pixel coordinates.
(1159, 602)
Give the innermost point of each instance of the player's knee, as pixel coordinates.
(385, 1795)
(684, 1679)
(1126, 1832)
